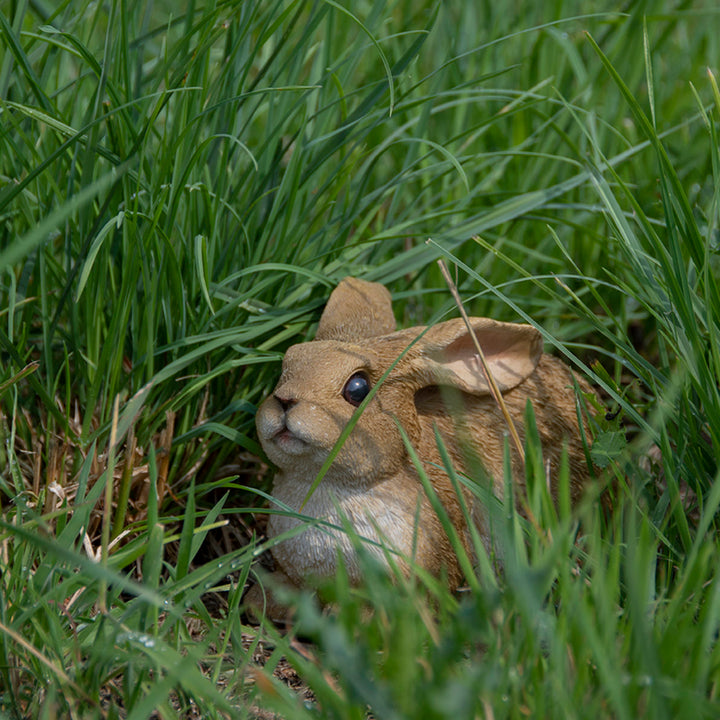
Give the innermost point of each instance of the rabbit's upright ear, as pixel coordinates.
(448, 355)
(357, 309)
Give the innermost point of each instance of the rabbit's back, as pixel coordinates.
(476, 425)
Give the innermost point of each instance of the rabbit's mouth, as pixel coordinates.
(288, 442)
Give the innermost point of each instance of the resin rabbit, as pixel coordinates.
(437, 383)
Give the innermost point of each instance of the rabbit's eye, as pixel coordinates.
(356, 388)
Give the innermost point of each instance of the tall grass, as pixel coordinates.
(180, 188)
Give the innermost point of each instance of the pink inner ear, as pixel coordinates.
(511, 357)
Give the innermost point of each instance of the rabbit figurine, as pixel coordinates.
(372, 483)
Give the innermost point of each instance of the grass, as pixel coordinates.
(179, 191)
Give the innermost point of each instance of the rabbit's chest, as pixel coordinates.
(379, 520)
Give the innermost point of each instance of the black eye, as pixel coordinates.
(356, 388)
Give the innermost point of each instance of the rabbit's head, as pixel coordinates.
(324, 381)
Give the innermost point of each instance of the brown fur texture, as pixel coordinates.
(372, 483)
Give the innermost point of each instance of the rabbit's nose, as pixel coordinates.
(285, 403)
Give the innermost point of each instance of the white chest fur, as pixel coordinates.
(377, 518)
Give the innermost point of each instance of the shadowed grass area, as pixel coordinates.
(181, 188)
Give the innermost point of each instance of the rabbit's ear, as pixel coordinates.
(448, 356)
(357, 309)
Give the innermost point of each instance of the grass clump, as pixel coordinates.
(180, 188)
